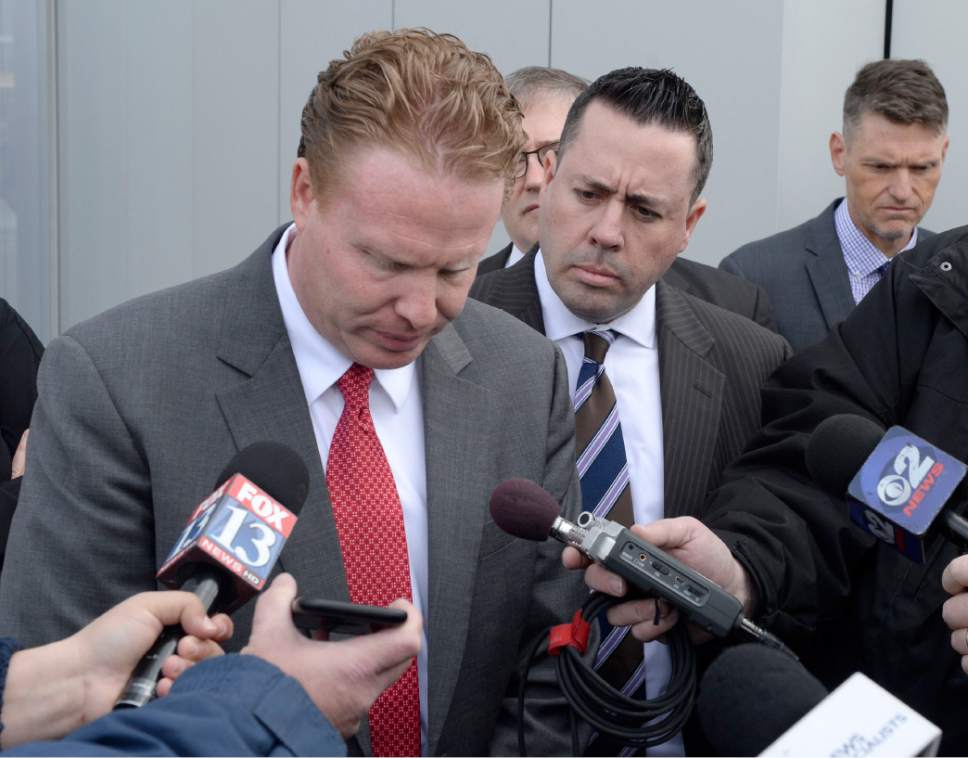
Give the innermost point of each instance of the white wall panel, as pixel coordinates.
(512, 32)
(125, 199)
(820, 60)
(234, 129)
(168, 140)
(935, 31)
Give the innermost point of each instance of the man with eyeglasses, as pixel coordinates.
(545, 95)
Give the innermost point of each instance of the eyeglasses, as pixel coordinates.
(521, 165)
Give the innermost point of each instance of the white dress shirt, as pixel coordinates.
(397, 417)
(632, 367)
(514, 256)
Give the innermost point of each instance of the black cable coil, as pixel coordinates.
(632, 721)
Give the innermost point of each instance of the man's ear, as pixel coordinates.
(302, 195)
(838, 152)
(550, 165)
(695, 213)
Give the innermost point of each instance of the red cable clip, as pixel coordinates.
(573, 635)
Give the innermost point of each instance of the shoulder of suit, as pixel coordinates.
(193, 308)
(685, 272)
(485, 324)
(726, 325)
(766, 251)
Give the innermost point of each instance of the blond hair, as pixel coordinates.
(419, 92)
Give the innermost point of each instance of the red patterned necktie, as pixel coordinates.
(369, 520)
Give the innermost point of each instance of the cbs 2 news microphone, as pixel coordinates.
(902, 489)
(229, 547)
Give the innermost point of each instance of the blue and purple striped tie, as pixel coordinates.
(604, 473)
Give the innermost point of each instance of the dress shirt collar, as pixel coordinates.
(860, 254)
(320, 364)
(638, 324)
(514, 256)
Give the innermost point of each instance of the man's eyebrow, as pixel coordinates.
(597, 185)
(637, 198)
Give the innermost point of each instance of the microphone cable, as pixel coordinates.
(632, 721)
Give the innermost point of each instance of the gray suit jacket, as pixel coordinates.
(803, 271)
(140, 408)
(705, 282)
(711, 365)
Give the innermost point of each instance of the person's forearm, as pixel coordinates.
(44, 695)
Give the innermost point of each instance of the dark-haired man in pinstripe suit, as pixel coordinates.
(682, 375)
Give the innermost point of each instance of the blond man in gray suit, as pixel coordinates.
(407, 147)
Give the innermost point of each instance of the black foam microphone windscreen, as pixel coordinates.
(838, 448)
(750, 695)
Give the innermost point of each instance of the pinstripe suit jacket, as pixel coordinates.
(712, 363)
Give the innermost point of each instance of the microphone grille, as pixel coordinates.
(750, 695)
(838, 448)
(276, 468)
(524, 509)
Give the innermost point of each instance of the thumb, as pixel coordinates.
(667, 533)
(274, 605)
(173, 607)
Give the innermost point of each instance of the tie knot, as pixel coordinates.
(355, 385)
(597, 344)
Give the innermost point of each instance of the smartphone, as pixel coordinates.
(338, 617)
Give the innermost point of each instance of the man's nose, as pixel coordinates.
(607, 231)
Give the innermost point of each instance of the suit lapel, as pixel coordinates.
(271, 405)
(827, 270)
(456, 428)
(515, 291)
(691, 388)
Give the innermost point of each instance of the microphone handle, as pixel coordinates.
(140, 688)
(957, 527)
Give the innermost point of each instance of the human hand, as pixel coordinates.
(954, 579)
(54, 689)
(113, 644)
(19, 463)
(341, 678)
(686, 539)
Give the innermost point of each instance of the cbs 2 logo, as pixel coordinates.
(909, 471)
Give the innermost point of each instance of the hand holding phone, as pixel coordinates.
(339, 617)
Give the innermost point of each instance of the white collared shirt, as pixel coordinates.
(632, 367)
(395, 405)
(514, 256)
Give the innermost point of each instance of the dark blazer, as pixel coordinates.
(705, 282)
(803, 271)
(139, 408)
(853, 603)
(20, 353)
(495, 262)
(711, 365)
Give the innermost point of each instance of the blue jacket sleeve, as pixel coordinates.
(231, 705)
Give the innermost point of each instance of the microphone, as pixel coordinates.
(229, 547)
(524, 509)
(897, 483)
(758, 701)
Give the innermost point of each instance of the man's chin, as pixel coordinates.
(380, 356)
